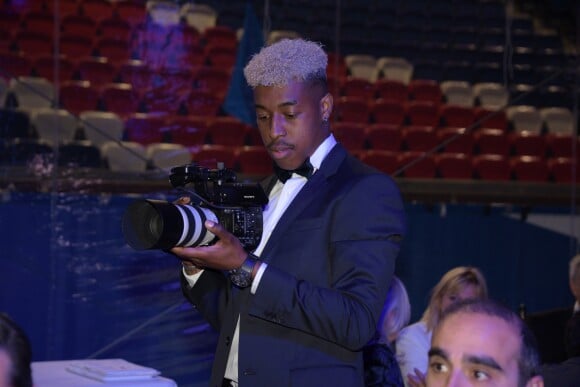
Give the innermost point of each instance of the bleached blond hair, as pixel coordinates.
(287, 60)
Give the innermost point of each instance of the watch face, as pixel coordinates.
(240, 278)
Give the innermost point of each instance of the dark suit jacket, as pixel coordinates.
(565, 374)
(549, 328)
(330, 260)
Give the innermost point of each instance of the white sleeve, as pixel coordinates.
(191, 279)
(412, 351)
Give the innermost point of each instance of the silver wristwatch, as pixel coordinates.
(242, 276)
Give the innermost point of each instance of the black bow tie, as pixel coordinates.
(305, 170)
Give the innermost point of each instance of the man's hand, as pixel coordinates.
(226, 254)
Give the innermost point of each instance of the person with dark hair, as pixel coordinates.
(15, 355)
(550, 325)
(300, 307)
(482, 343)
(566, 373)
(459, 283)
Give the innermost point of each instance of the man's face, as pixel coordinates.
(290, 120)
(470, 349)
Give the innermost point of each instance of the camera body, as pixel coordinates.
(214, 194)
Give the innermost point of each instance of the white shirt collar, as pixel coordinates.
(322, 151)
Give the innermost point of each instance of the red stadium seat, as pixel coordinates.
(419, 138)
(385, 111)
(132, 11)
(425, 113)
(455, 140)
(529, 168)
(254, 160)
(526, 143)
(351, 135)
(391, 89)
(454, 165)
(44, 66)
(115, 50)
(15, 64)
(39, 21)
(33, 43)
(491, 167)
(491, 141)
(219, 35)
(227, 130)
(358, 87)
(491, 119)
(458, 116)
(76, 46)
(120, 98)
(209, 155)
(561, 144)
(212, 79)
(221, 57)
(78, 96)
(417, 165)
(352, 109)
(384, 137)
(76, 24)
(98, 9)
(425, 90)
(115, 28)
(98, 71)
(562, 169)
(384, 160)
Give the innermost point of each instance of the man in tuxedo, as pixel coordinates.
(298, 310)
(482, 343)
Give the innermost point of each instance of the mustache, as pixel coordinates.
(278, 143)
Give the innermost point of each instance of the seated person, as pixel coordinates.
(566, 373)
(412, 345)
(15, 355)
(481, 343)
(381, 367)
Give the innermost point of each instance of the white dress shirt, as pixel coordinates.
(280, 197)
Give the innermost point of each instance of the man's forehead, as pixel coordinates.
(477, 330)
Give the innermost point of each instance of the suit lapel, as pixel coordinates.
(317, 182)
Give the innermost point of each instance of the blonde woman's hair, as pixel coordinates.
(451, 282)
(396, 312)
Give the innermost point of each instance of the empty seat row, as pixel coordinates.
(59, 126)
(357, 137)
(175, 92)
(428, 113)
(479, 167)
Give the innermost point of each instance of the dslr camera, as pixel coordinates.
(215, 195)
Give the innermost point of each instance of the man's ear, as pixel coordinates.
(326, 104)
(536, 381)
